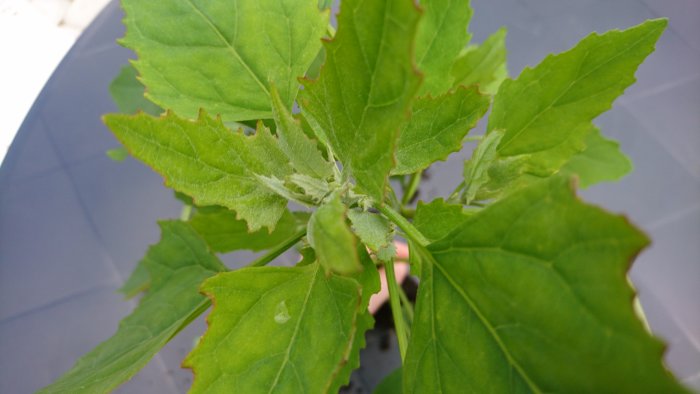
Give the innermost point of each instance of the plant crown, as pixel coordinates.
(523, 287)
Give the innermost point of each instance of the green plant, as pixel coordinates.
(523, 287)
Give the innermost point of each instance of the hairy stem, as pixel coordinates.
(411, 232)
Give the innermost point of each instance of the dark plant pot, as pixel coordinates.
(74, 223)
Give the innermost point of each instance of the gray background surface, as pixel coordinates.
(73, 223)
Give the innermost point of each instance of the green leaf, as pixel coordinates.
(138, 281)
(222, 55)
(365, 89)
(331, 238)
(224, 233)
(302, 151)
(442, 34)
(204, 159)
(373, 229)
(438, 218)
(600, 161)
(531, 295)
(370, 284)
(177, 266)
(437, 128)
(128, 93)
(545, 114)
(277, 329)
(483, 65)
(392, 384)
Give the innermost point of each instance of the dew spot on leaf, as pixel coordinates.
(282, 313)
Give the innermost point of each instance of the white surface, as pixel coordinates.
(34, 37)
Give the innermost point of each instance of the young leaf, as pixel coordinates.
(177, 266)
(438, 218)
(302, 151)
(546, 113)
(128, 93)
(277, 329)
(600, 161)
(483, 65)
(222, 55)
(224, 233)
(209, 162)
(487, 175)
(531, 295)
(442, 34)
(374, 230)
(437, 128)
(331, 238)
(365, 89)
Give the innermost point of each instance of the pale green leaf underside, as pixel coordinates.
(545, 114)
(277, 330)
(365, 88)
(483, 65)
(207, 161)
(374, 230)
(178, 264)
(127, 92)
(600, 161)
(442, 34)
(332, 239)
(224, 233)
(437, 128)
(222, 55)
(531, 295)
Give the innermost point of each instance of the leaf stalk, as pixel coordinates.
(281, 248)
(396, 311)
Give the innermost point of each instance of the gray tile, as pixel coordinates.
(673, 118)
(124, 201)
(683, 16)
(73, 118)
(83, 325)
(32, 153)
(682, 355)
(671, 270)
(657, 187)
(671, 65)
(47, 249)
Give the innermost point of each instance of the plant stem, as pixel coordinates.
(458, 190)
(412, 188)
(281, 248)
(396, 311)
(407, 307)
(186, 213)
(411, 232)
